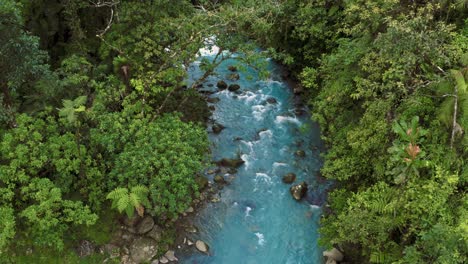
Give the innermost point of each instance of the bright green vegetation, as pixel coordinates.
(85, 118)
(91, 109)
(387, 82)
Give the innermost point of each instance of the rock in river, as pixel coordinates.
(233, 87)
(233, 163)
(289, 178)
(219, 179)
(300, 153)
(222, 85)
(271, 100)
(298, 191)
(217, 128)
(212, 100)
(233, 76)
(202, 246)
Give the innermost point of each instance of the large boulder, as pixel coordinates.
(233, 87)
(145, 225)
(202, 246)
(334, 254)
(289, 178)
(222, 85)
(298, 191)
(217, 128)
(143, 249)
(155, 233)
(232, 163)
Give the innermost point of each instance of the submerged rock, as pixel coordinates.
(202, 246)
(300, 153)
(145, 225)
(143, 249)
(271, 100)
(233, 76)
(298, 191)
(232, 163)
(219, 179)
(233, 87)
(232, 68)
(212, 100)
(222, 85)
(289, 178)
(217, 128)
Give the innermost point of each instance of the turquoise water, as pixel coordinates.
(257, 220)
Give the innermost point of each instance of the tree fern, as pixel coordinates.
(71, 107)
(129, 201)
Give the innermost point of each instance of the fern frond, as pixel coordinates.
(80, 100)
(123, 203)
(445, 111)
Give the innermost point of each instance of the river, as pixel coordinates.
(257, 220)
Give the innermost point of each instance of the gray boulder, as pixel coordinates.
(170, 255)
(202, 246)
(143, 249)
(155, 233)
(334, 254)
(145, 225)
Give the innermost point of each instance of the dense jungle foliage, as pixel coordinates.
(387, 82)
(95, 114)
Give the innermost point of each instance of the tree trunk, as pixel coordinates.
(454, 123)
(7, 103)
